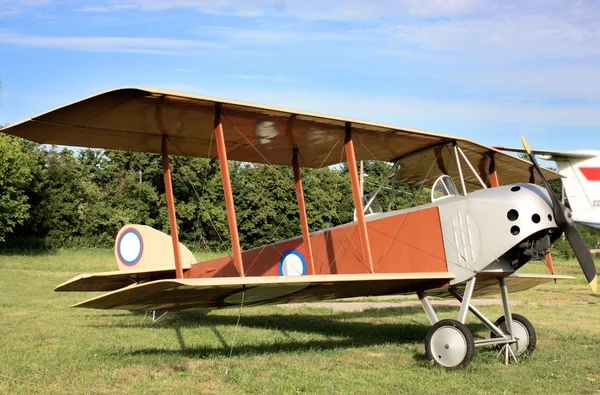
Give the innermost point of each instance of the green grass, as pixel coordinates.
(45, 347)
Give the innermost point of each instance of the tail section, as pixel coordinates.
(142, 247)
(582, 186)
(581, 170)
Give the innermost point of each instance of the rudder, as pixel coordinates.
(142, 247)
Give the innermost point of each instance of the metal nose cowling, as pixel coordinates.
(564, 220)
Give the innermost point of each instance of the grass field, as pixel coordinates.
(45, 347)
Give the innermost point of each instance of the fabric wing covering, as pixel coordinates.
(223, 292)
(211, 293)
(487, 284)
(134, 119)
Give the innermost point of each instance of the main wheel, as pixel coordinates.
(450, 344)
(523, 330)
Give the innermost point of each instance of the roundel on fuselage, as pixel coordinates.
(292, 263)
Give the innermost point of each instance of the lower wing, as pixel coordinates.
(487, 284)
(222, 292)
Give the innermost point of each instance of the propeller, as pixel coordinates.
(564, 220)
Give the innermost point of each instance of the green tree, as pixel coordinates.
(17, 165)
(199, 202)
(117, 188)
(57, 193)
(266, 204)
(328, 195)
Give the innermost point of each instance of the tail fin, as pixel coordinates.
(582, 186)
(581, 170)
(140, 247)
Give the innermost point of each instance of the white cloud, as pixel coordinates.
(307, 9)
(106, 8)
(274, 78)
(222, 7)
(287, 34)
(522, 37)
(565, 81)
(146, 45)
(508, 60)
(23, 3)
(421, 112)
(356, 10)
(175, 87)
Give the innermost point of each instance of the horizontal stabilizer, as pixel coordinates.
(487, 284)
(110, 281)
(223, 292)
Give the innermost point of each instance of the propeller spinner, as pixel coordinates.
(564, 220)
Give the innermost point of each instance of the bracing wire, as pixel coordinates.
(237, 325)
(222, 241)
(411, 209)
(268, 163)
(348, 238)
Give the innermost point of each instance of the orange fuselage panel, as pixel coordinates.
(402, 243)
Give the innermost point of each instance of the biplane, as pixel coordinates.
(466, 243)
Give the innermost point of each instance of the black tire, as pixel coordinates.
(524, 325)
(451, 327)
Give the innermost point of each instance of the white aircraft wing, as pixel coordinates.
(551, 155)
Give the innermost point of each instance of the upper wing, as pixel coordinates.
(222, 292)
(134, 119)
(487, 284)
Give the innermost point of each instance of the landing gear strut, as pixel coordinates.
(523, 331)
(450, 344)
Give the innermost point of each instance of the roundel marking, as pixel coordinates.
(292, 263)
(130, 247)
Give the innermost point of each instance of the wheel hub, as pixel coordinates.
(448, 346)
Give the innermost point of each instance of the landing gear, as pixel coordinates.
(450, 344)
(523, 331)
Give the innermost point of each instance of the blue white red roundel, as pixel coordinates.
(292, 263)
(130, 247)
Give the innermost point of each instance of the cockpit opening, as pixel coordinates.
(442, 188)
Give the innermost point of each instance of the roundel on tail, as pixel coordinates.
(292, 263)
(130, 247)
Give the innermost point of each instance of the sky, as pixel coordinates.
(484, 69)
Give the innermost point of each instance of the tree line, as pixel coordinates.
(57, 197)
(53, 197)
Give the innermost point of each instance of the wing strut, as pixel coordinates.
(233, 231)
(171, 206)
(302, 211)
(460, 173)
(360, 213)
(493, 172)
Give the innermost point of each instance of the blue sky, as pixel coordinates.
(487, 70)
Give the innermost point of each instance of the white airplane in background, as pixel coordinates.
(581, 182)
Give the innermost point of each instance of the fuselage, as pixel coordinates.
(462, 235)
